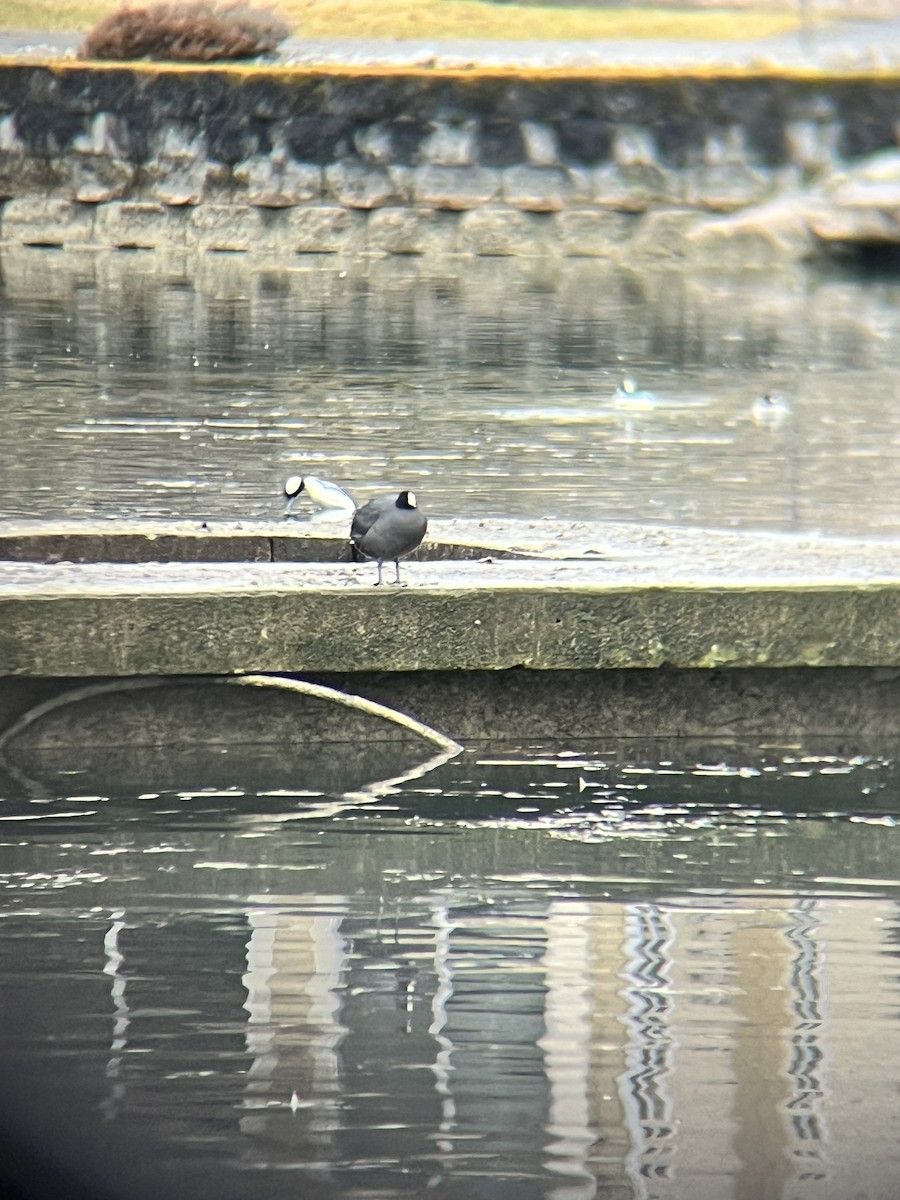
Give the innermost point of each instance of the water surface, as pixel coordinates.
(133, 385)
(627, 969)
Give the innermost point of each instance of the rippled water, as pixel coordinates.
(628, 969)
(135, 385)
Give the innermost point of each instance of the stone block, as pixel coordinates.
(97, 178)
(633, 145)
(449, 144)
(403, 181)
(47, 221)
(458, 188)
(175, 181)
(726, 186)
(106, 136)
(140, 224)
(503, 231)
(536, 189)
(277, 181)
(9, 137)
(400, 230)
(325, 229)
(813, 145)
(227, 227)
(541, 147)
(23, 175)
(360, 185)
(374, 143)
(177, 169)
(636, 187)
(581, 187)
(592, 232)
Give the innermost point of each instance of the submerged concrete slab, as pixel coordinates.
(858, 706)
(582, 597)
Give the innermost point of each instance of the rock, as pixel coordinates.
(861, 204)
(757, 237)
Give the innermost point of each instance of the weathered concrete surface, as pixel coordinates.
(587, 597)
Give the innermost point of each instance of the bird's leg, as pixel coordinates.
(379, 573)
(398, 582)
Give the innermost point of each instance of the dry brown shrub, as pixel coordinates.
(189, 31)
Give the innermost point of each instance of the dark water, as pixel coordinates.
(131, 384)
(628, 969)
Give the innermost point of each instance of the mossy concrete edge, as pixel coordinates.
(544, 595)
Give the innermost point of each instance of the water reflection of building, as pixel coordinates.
(293, 980)
(582, 1048)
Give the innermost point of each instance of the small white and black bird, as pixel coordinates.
(629, 394)
(769, 410)
(323, 494)
(388, 528)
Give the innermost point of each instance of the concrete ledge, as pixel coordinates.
(581, 597)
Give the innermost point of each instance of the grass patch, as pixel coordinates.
(476, 19)
(446, 19)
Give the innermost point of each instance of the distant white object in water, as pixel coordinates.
(628, 392)
(322, 493)
(769, 410)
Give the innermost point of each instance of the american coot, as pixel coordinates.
(320, 491)
(388, 527)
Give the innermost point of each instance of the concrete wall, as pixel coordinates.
(406, 161)
(860, 706)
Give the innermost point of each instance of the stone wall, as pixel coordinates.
(294, 160)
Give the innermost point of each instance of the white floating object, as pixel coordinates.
(769, 410)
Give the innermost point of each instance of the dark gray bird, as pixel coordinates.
(388, 527)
